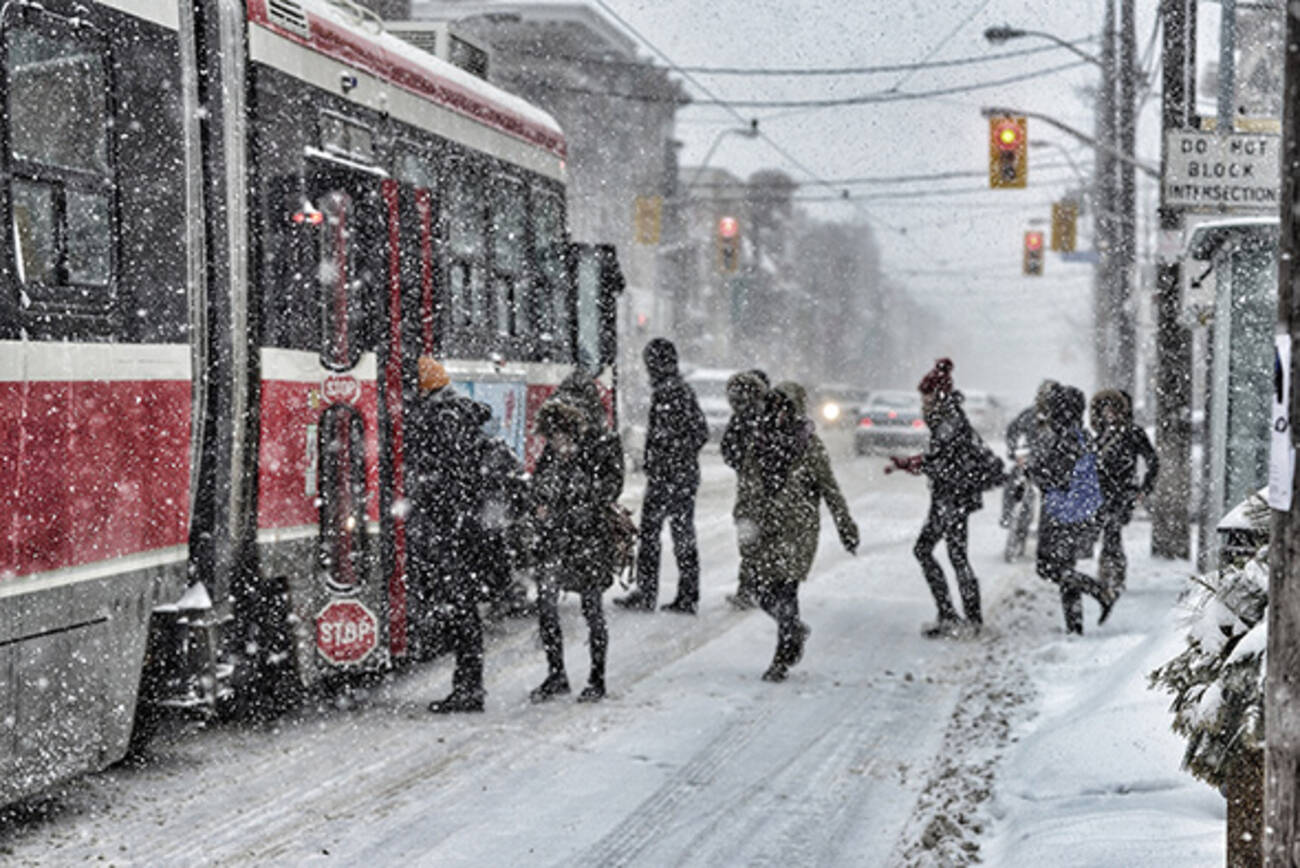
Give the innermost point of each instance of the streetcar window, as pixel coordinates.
(34, 232)
(466, 242)
(511, 298)
(89, 238)
(341, 309)
(415, 169)
(47, 69)
(589, 311)
(60, 192)
(347, 138)
(548, 250)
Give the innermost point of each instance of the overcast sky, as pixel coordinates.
(958, 252)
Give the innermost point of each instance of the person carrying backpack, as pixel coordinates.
(1063, 464)
(959, 467)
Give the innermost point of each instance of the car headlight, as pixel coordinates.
(830, 411)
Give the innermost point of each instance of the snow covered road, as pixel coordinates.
(692, 760)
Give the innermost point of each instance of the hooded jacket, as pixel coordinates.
(677, 430)
(794, 476)
(1119, 446)
(746, 393)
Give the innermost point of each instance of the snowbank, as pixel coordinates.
(1094, 777)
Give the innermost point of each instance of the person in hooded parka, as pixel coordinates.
(746, 392)
(1120, 443)
(952, 463)
(793, 476)
(1054, 465)
(676, 434)
(578, 478)
(444, 437)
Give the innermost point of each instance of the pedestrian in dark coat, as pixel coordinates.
(503, 505)
(1120, 443)
(793, 475)
(676, 434)
(953, 463)
(578, 478)
(444, 443)
(1055, 466)
(746, 392)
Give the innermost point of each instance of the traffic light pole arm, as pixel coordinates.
(998, 111)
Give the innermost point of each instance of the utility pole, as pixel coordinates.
(1282, 679)
(1170, 533)
(1122, 303)
(1104, 194)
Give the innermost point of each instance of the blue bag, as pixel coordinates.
(1082, 499)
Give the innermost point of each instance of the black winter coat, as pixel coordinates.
(576, 492)
(677, 433)
(1055, 451)
(1118, 449)
(953, 460)
(444, 447)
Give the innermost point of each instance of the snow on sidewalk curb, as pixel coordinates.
(1058, 753)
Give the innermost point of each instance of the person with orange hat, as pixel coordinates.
(959, 467)
(443, 444)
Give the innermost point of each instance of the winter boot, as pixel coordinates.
(636, 602)
(742, 600)
(556, 684)
(802, 632)
(681, 607)
(1107, 599)
(458, 701)
(776, 672)
(593, 692)
(944, 628)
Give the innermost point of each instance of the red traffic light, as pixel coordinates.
(1034, 240)
(728, 227)
(1007, 134)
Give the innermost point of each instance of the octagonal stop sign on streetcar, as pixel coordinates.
(346, 632)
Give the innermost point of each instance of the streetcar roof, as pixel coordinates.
(332, 30)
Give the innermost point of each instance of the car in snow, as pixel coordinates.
(710, 386)
(987, 413)
(890, 419)
(835, 405)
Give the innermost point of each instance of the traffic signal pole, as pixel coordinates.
(1170, 522)
(1282, 679)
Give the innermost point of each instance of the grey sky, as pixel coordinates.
(960, 253)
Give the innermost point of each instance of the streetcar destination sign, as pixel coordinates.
(1208, 172)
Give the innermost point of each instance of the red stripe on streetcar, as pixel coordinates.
(397, 638)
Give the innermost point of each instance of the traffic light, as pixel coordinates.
(648, 218)
(1065, 223)
(1008, 152)
(1033, 264)
(728, 243)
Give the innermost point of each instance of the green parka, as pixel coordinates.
(796, 476)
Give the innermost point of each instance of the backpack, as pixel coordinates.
(986, 467)
(622, 538)
(1082, 499)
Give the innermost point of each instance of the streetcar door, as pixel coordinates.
(344, 207)
(597, 282)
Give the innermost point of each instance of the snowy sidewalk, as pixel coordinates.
(1061, 755)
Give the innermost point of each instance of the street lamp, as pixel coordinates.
(749, 132)
(998, 35)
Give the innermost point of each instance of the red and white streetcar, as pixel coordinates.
(233, 229)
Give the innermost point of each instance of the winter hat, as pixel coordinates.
(1112, 398)
(939, 379)
(433, 376)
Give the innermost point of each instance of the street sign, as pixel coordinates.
(346, 632)
(648, 217)
(1209, 172)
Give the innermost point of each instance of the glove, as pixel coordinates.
(910, 463)
(849, 537)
